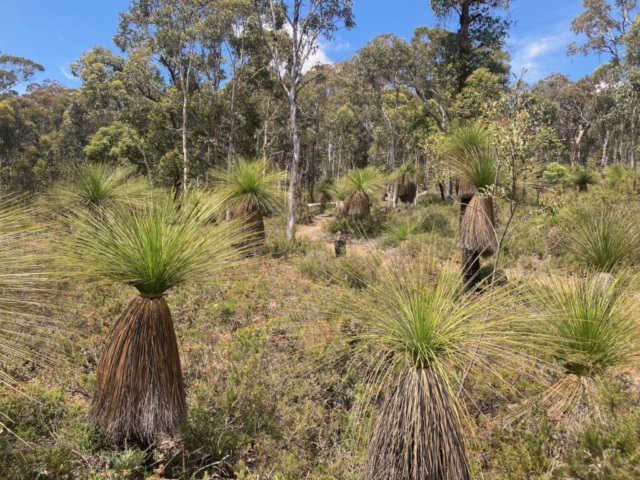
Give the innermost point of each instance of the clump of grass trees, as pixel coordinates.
(472, 158)
(249, 190)
(153, 247)
(426, 328)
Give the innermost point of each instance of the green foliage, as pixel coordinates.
(604, 238)
(367, 180)
(471, 155)
(129, 463)
(555, 173)
(248, 185)
(16, 70)
(582, 178)
(26, 289)
(422, 316)
(399, 229)
(152, 247)
(361, 226)
(95, 185)
(407, 172)
(590, 323)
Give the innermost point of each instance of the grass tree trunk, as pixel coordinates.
(418, 434)
(140, 392)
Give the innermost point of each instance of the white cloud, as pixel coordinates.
(68, 75)
(319, 57)
(540, 54)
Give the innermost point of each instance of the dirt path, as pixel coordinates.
(317, 233)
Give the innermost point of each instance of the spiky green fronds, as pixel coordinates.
(583, 177)
(25, 288)
(591, 323)
(152, 247)
(426, 330)
(367, 180)
(326, 185)
(603, 238)
(401, 228)
(94, 185)
(248, 185)
(340, 190)
(471, 155)
(424, 318)
(407, 172)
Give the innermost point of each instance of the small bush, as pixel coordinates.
(367, 226)
(556, 173)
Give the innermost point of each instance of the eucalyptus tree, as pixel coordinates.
(609, 28)
(177, 34)
(305, 22)
(16, 70)
(382, 67)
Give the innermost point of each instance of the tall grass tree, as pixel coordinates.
(153, 247)
(472, 158)
(583, 178)
(406, 176)
(98, 185)
(249, 190)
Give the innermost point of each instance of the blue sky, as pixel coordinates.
(55, 33)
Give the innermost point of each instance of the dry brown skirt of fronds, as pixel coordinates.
(418, 434)
(253, 220)
(466, 190)
(359, 204)
(407, 192)
(477, 231)
(140, 390)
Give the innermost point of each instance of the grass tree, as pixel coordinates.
(325, 188)
(604, 239)
(406, 176)
(400, 229)
(591, 327)
(153, 247)
(340, 191)
(582, 178)
(95, 185)
(361, 186)
(25, 289)
(425, 327)
(249, 190)
(473, 159)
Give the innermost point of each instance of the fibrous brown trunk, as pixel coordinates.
(140, 391)
(417, 434)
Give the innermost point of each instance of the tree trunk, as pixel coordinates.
(293, 173)
(633, 148)
(577, 143)
(605, 150)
